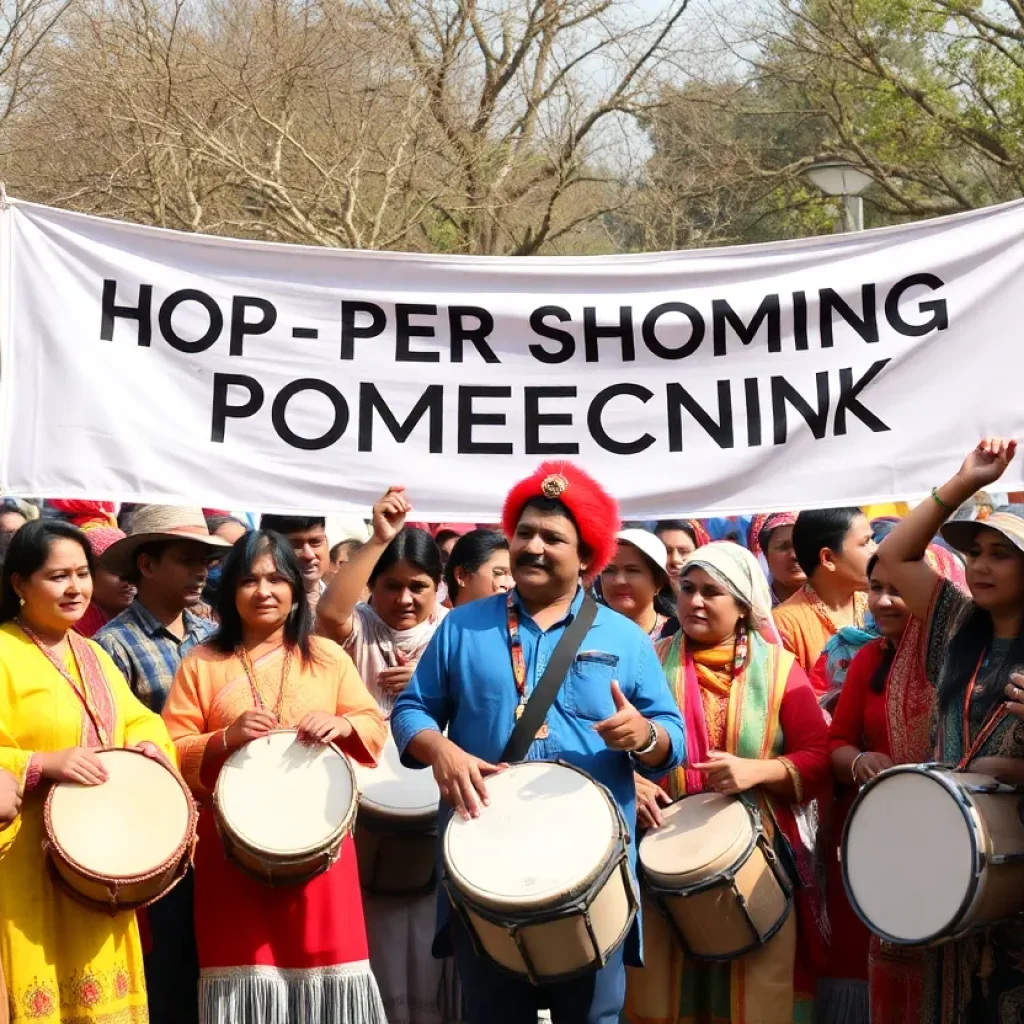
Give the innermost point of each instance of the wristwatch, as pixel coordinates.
(651, 743)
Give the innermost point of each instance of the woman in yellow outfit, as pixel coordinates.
(61, 697)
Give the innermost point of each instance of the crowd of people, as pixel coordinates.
(787, 665)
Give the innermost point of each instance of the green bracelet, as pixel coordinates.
(938, 501)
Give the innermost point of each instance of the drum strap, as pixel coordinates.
(543, 696)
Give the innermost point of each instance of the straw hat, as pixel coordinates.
(153, 523)
(1007, 520)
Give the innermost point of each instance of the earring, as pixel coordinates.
(21, 602)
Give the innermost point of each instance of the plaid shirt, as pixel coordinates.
(149, 654)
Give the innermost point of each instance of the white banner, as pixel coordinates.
(149, 365)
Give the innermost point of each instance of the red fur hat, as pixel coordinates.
(594, 510)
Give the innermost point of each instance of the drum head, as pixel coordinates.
(392, 789)
(547, 831)
(699, 836)
(285, 797)
(908, 856)
(130, 825)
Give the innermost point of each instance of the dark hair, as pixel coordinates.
(967, 647)
(298, 627)
(414, 546)
(471, 551)
(154, 549)
(877, 681)
(819, 529)
(30, 547)
(290, 524)
(351, 542)
(214, 523)
(555, 507)
(126, 516)
(665, 525)
(5, 544)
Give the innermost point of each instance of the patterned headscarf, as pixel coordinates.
(738, 571)
(761, 527)
(102, 537)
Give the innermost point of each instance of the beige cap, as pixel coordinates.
(650, 545)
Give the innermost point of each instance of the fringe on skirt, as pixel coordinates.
(272, 995)
(842, 1001)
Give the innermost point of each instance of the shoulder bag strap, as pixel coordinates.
(544, 694)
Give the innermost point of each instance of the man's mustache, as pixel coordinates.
(528, 561)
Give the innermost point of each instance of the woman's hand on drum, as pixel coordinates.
(1015, 695)
(727, 773)
(869, 765)
(150, 749)
(460, 778)
(10, 797)
(250, 725)
(75, 764)
(650, 798)
(322, 727)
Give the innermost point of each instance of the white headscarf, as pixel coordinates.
(739, 572)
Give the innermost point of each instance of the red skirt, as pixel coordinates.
(242, 923)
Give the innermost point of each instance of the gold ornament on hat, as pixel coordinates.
(554, 486)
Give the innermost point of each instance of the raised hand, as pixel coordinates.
(988, 462)
(389, 515)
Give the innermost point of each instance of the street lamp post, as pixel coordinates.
(838, 178)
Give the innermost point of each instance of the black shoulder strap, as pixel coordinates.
(544, 694)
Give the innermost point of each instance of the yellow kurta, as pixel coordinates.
(64, 963)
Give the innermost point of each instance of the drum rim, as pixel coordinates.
(756, 830)
(378, 818)
(409, 816)
(619, 839)
(54, 848)
(938, 773)
(291, 857)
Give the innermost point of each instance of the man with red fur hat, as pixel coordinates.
(613, 714)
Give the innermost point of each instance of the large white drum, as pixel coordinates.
(396, 828)
(929, 853)
(284, 807)
(126, 842)
(710, 869)
(541, 877)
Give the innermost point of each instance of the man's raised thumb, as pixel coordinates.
(618, 697)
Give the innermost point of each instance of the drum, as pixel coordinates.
(125, 843)
(283, 807)
(929, 853)
(541, 878)
(714, 876)
(396, 829)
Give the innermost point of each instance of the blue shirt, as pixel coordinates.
(464, 683)
(147, 653)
